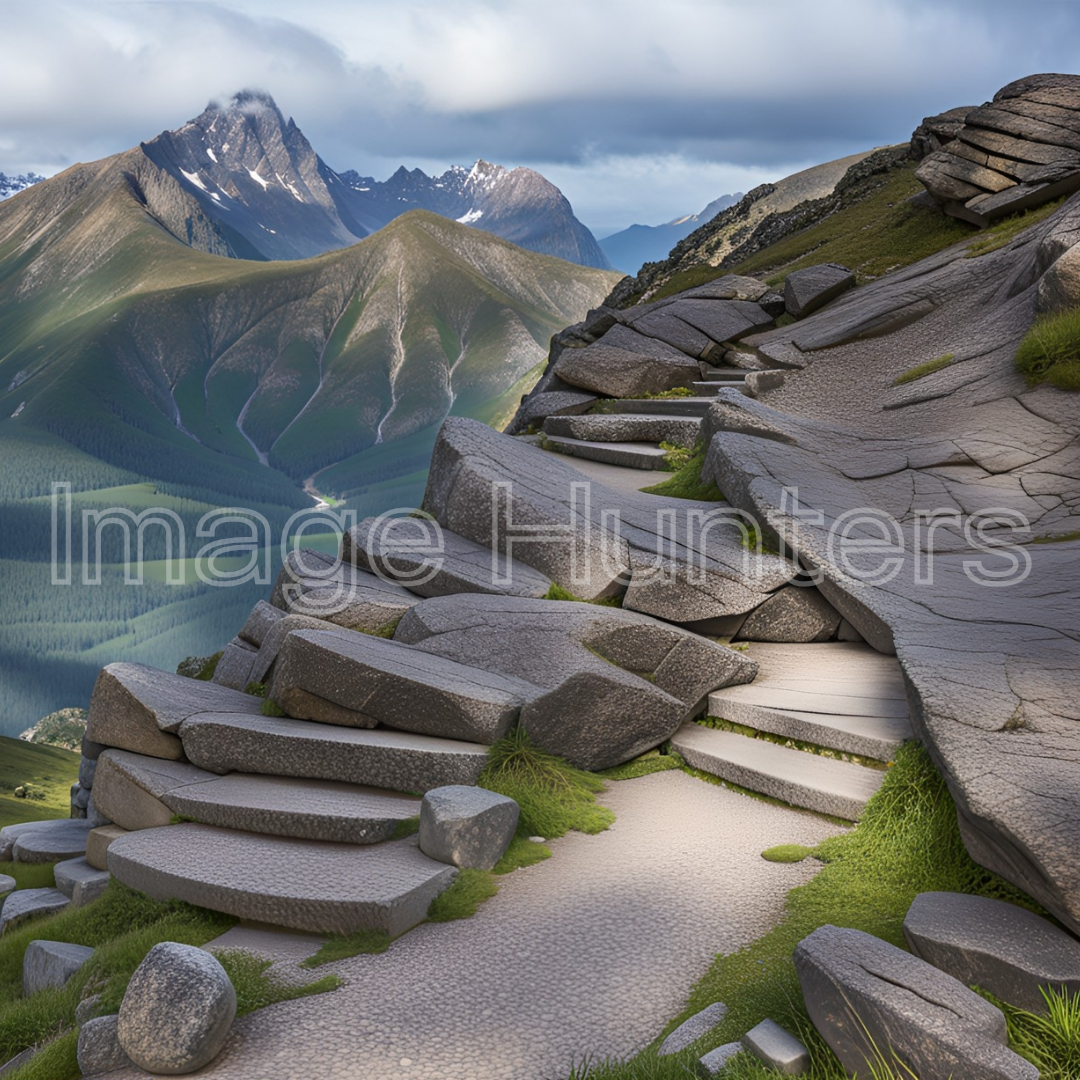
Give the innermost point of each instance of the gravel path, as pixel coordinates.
(587, 954)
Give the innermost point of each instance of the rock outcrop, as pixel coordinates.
(1013, 153)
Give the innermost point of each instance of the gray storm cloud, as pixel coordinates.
(686, 100)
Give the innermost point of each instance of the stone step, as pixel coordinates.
(378, 757)
(680, 406)
(801, 779)
(25, 904)
(626, 427)
(705, 388)
(633, 455)
(723, 374)
(835, 694)
(299, 884)
(303, 809)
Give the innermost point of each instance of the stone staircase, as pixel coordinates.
(837, 696)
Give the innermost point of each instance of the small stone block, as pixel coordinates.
(80, 881)
(99, 1049)
(49, 964)
(689, 1031)
(468, 827)
(715, 1060)
(770, 1043)
(97, 843)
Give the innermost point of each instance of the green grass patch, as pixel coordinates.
(1050, 351)
(557, 592)
(687, 482)
(58, 1060)
(787, 853)
(907, 843)
(554, 796)
(646, 765)
(407, 827)
(675, 456)
(1001, 232)
(255, 989)
(469, 890)
(1051, 1041)
(522, 852)
(45, 775)
(30, 875)
(920, 371)
(344, 946)
(199, 667)
(666, 395)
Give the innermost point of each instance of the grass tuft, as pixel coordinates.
(1001, 232)
(199, 667)
(920, 371)
(344, 946)
(646, 765)
(787, 853)
(469, 890)
(255, 989)
(675, 456)
(1050, 351)
(554, 796)
(687, 482)
(557, 592)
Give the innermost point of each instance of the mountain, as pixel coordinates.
(12, 185)
(516, 204)
(269, 195)
(631, 248)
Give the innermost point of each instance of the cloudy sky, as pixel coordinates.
(638, 110)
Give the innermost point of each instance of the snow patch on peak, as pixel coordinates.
(256, 177)
(470, 217)
(193, 178)
(210, 153)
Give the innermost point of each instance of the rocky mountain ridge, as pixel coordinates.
(12, 185)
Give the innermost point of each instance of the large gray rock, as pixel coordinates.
(99, 1049)
(677, 559)
(609, 684)
(130, 788)
(26, 904)
(49, 841)
(807, 290)
(626, 364)
(626, 427)
(49, 964)
(538, 407)
(80, 881)
(316, 585)
(177, 1010)
(858, 988)
(262, 618)
(376, 681)
(689, 1031)
(996, 946)
(990, 667)
(302, 884)
(1015, 152)
(792, 614)
(468, 827)
(138, 708)
(431, 561)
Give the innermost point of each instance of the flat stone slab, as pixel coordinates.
(304, 885)
(49, 964)
(51, 841)
(994, 945)
(430, 561)
(770, 1043)
(689, 1031)
(802, 779)
(305, 809)
(397, 760)
(80, 881)
(130, 788)
(626, 427)
(386, 682)
(313, 584)
(858, 988)
(631, 455)
(25, 904)
(807, 290)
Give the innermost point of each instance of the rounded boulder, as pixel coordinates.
(177, 1011)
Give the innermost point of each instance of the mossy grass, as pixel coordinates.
(29, 875)
(646, 765)
(270, 707)
(557, 592)
(1058, 538)
(908, 842)
(787, 853)
(675, 456)
(199, 667)
(469, 890)
(344, 946)
(687, 482)
(666, 395)
(920, 371)
(554, 796)
(1050, 351)
(522, 852)
(1001, 232)
(407, 827)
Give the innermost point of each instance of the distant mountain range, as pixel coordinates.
(269, 195)
(12, 185)
(630, 249)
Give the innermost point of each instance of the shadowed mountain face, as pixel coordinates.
(256, 176)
